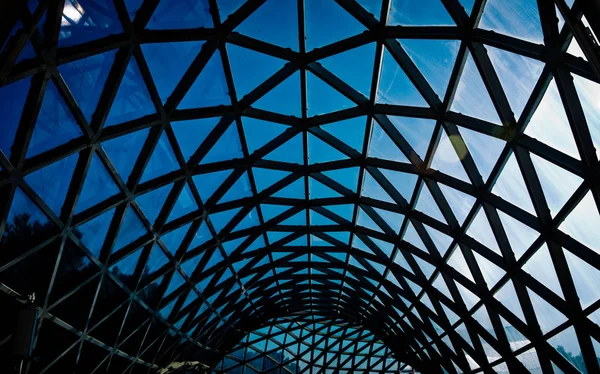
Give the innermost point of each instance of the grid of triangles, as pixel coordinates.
(310, 345)
(175, 174)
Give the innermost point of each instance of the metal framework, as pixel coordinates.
(105, 212)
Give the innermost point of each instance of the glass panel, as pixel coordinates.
(395, 87)
(55, 124)
(178, 14)
(276, 22)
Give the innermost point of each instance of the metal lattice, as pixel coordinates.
(176, 175)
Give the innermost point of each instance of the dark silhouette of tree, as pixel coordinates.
(72, 269)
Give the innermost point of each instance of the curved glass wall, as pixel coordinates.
(300, 345)
(176, 175)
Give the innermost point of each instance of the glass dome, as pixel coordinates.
(312, 186)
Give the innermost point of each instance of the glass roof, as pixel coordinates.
(229, 181)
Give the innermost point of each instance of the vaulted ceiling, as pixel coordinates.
(302, 185)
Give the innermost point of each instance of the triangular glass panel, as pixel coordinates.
(440, 240)
(481, 231)
(518, 76)
(250, 220)
(484, 149)
(86, 79)
(584, 275)
(412, 236)
(460, 203)
(426, 204)
(184, 204)
(132, 99)
(209, 88)
(319, 219)
(258, 132)
(511, 187)
(322, 98)
(365, 220)
(566, 343)
(404, 183)
(319, 151)
(583, 222)
(176, 281)
(294, 190)
(124, 151)
(152, 202)
(168, 62)
(574, 47)
(192, 133)
(482, 316)
(395, 87)
(201, 236)
(350, 131)
(416, 131)
(347, 177)
(394, 220)
(424, 13)
(93, 233)
(189, 266)
(282, 27)
(318, 190)
(12, 101)
(55, 123)
(587, 91)
(239, 190)
(221, 219)
(91, 194)
(508, 297)
(441, 286)
(435, 60)
(172, 240)
(131, 228)
(372, 189)
(557, 183)
(132, 7)
(320, 30)
(265, 178)
(516, 18)
(250, 68)
(519, 235)
(162, 161)
(345, 211)
(91, 21)
(207, 184)
(469, 298)
(290, 89)
(472, 97)
(156, 260)
(550, 113)
(458, 262)
(540, 266)
(355, 67)
(291, 151)
(52, 182)
(547, 315)
(490, 271)
(530, 360)
(27, 53)
(298, 219)
(383, 147)
(124, 269)
(227, 147)
(174, 14)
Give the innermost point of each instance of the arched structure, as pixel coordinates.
(178, 174)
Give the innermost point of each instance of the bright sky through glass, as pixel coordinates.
(295, 186)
